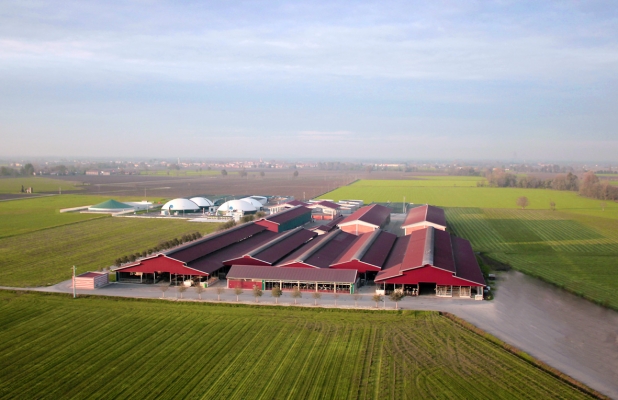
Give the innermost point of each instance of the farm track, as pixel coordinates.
(104, 348)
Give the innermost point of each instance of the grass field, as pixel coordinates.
(39, 184)
(575, 247)
(577, 252)
(479, 197)
(46, 256)
(28, 215)
(54, 347)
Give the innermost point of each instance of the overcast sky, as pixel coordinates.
(389, 80)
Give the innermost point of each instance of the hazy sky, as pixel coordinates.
(401, 80)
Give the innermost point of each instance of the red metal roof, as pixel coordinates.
(281, 245)
(321, 251)
(214, 242)
(327, 204)
(292, 274)
(371, 248)
(373, 214)
(467, 266)
(288, 214)
(380, 249)
(213, 261)
(331, 225)
(425, 213)
(435, 248)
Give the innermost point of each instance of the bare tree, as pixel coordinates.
(296, 294)
(523, 202)
(163, 290)
(257, 292)
(237, 291)
(396, 296)
(356, 299)
(377, 298)
(603, 204)
(199, 289)
(295, 174)
(220, 291)
(316, 296)
(552, 205)
(276, 293)
(181, 289)
(336, 296)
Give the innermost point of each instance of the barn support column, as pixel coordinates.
(316, 286)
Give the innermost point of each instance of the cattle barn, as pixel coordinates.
(366, 219)
(307, 280)
(91, 280)
(431, 260)
(287, 219)
(422, 217)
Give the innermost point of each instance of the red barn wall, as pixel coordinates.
(239, 283)
(429, 274)
(357, 229)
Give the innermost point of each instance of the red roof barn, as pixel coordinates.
(366, 219)
(423, 217)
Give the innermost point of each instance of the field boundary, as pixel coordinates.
(525, 356)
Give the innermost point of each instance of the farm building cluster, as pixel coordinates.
(336, 256)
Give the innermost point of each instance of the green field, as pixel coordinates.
(28, 215)
(38, 184)
(577, 252)
(480, 197)
(575, 247)
(54, 347)
(46, 256)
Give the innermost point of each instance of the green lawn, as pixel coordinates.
(577, 252)
(481, 197)
(54, 347)
(46, 256)
(28, 215)
(38, 184)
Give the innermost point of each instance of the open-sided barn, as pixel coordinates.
(309, 280)
(367, 253)
(422, 217)
(432, 259)
(366, 219)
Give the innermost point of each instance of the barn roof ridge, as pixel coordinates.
(274, 241)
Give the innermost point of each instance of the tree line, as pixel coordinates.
(168, 244)
(588, 186)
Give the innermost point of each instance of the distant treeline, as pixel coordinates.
(588, 186)
(26, 170)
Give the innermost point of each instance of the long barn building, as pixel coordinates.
(427, 260)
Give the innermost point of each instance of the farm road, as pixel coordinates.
(571, 334)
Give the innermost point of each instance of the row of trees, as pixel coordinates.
(161, 246)
(276, 292)
(589, 186)
(26, 170)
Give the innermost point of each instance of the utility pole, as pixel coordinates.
(74, 295)
(404, 204)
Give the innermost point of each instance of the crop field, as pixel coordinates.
(46, 256)
(28, 215)
(577, 252)
(478, 197)
(38, 184)
(52, 346)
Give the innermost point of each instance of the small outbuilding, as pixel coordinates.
(91, 280)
